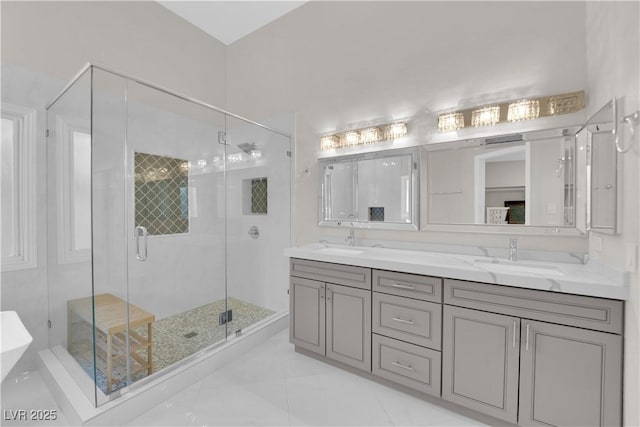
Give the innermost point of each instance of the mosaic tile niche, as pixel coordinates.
(161, 194)
(259, 196)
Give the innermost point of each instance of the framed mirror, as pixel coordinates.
(372, 190)
(522, 180)
(598, 172)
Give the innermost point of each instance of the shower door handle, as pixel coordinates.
(141, 234)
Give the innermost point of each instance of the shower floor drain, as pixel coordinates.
(190, 335)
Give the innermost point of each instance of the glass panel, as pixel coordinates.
(9, 184)
(175, 229)
(68, 237)
(258, 220)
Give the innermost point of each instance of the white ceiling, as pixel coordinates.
(229, 21)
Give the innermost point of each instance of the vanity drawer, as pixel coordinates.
(348, 275)
(415, 321)
(426, 288)
(575, 310)
(407, 364)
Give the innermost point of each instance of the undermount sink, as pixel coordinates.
(341, 251)
(15, 340)
(513, 267)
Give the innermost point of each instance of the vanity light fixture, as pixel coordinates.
(525, 109)
(395, 131)
(349, 139)
(329, 142)
(485, 116)
(370, 135)
(512, 111)
(450, 121)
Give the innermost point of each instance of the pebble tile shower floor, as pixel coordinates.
(181, 335)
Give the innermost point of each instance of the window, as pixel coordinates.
(74, 190)
(18, 249)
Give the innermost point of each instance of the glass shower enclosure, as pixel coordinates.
(166, 223)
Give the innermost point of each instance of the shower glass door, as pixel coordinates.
(167, 220)
(175, 216)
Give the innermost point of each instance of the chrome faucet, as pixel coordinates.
(513, 248)
(351, 237)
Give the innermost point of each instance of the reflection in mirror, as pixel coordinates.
(375, 190)
(523, 179)
(161, 194)
(599, 169)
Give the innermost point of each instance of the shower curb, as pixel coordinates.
(80, 411)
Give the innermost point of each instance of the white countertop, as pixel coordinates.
(580, 279)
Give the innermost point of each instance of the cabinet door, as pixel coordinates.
(349, 326)
(307, 314)
(569, 376)
(480, 361)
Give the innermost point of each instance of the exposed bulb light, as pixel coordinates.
(395, 131)
(330, 142)
(370, 135)
(349, 139)
(526, 109)
(450, 121)
(485, 116)
(512, 111)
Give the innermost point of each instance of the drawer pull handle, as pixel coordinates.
(400, 365)
(398, 285)
(397, 319)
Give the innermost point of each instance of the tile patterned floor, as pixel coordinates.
(273, 385)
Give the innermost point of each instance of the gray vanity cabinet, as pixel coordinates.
(307, 314)
(407, 324)
(348, 325)
(569, 376)
(330, 311)
(480, 361)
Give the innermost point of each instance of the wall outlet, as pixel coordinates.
(631, 262)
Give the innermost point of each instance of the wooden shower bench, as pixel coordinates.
(111, 326)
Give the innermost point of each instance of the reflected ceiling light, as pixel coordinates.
(525, 109)
(450, 121)
(485, 116)
(512, 111)
(370, 135)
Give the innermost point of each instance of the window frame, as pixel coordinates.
(24, 185)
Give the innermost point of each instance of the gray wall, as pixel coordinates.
(613, 69)
(343, 64)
